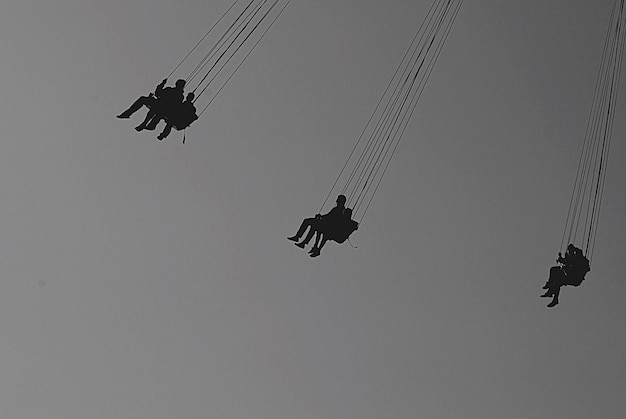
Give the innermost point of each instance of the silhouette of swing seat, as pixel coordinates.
(341, 233)
(558, 275)
(179, 124)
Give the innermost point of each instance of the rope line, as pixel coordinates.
(202, 39)
(368, 162)
(247, 55)
(381, 127)
(391, 102)
(413, 105)
(218, 44)
(583, 213)
(372, 114)
(241, 31)
(401, 116)
(244, 27)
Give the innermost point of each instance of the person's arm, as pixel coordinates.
(160, 87)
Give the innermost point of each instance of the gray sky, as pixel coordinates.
(150, 280)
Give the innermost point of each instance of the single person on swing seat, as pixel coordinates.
(314, 222)
(571, 270)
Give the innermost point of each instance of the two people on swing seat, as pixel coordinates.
(166, 103)
(571, 270)
(336, 225)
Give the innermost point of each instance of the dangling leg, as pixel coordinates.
(150, 116)
(315, 252)
(316, 244)
(308, 222)
(555, 277)
(166, 132)
(556, 280)
(312, 231)
(154, 121)
(555, 296)
(138, 104)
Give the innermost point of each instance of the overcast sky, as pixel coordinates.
(153, 280)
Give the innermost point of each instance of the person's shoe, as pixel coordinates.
(545, 287)
(293, 238)
(300, 245)
(547, 294)
(140, 128)
(315, 253)
(160, 137)
(123, 116)
(553, 303)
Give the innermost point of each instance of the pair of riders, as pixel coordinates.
(571, 270)
(166, 103)
(337, 225)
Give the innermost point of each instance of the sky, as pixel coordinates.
(153, 280)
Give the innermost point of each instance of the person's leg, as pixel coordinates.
(154, 121)
(309, 236)
(555, 277)
(308, 222)
(318, 246)
(166, 132)
(556, 281)
(148, 119)
(138, 104)
(555, 296)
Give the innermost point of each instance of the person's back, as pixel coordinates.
(179, 116)
(342, 228)
(349, 227)
(185, 115)
(577, 270)
(333, 215)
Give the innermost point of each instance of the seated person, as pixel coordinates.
(180, 118)
(571, 271)
(314, 223)
(570, 254)
(555, 281)
(575, 265)
(338, 232)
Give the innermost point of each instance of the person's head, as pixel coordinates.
(180, 83)
(190, 96)
(341, 200)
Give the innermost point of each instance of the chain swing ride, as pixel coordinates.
(581, 224)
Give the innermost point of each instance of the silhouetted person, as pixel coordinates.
(570, 253)
(168, 100)
(571, 271)
(555, 281)
(157, 103)
(575, 265)
(338, 230)
(181, 117)
(314, 223)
